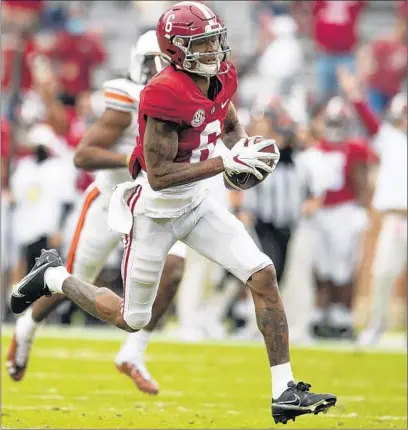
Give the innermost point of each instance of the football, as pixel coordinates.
(245, 181)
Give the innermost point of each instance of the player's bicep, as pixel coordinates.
(233, 130)
(107, 129)
(160, 143)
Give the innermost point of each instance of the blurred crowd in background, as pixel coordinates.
(56, 56)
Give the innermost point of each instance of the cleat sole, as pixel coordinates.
(291, 413)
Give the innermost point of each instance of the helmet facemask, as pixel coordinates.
(193, 61)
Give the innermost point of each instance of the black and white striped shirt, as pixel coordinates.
(278, 199)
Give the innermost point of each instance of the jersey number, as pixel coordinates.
(169, 23)
(208, 139)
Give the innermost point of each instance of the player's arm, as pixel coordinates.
(350, 85)
(160, 150)
(233, 130)
(361, 183)
(56, 113)
(94, 149)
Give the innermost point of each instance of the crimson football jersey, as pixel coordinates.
(341, 158)
(173, 96)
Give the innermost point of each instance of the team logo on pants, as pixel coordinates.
(198, 118)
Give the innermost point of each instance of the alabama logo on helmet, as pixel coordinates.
(198, 118)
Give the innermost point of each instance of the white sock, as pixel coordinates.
(380, 300)
(281, 375)
(54, 277)
(318, 315)
(340, 316)
(26, 326)
(134, 347)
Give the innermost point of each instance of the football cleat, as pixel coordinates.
(17, 356)
(140, 377)
(32, 286)
(370, 337)
(296, 400)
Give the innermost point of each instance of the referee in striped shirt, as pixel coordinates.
(275, 205)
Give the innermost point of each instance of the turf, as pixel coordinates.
(72, 383)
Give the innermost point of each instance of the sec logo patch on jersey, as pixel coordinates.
(198, 118)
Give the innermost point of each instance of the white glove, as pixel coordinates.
(262, 143)
(245, 157)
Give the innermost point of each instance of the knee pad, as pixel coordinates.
(146, 270)
(137, 319)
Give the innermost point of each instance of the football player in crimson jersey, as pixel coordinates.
(390, 199)
(106, 147)
(183, 111)
(340, 222)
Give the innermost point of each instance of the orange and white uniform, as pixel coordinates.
(92, 241)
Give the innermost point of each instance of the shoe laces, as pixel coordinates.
(303, 386)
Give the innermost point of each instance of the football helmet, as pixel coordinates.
(40, 135)
(187, 24)
(337, 119)
(146, 48)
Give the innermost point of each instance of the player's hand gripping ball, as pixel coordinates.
(245, 181)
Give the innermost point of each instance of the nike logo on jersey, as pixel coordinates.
(224, 104)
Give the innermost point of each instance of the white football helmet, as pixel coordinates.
(338, 120)
(146, 48)
(41, 135)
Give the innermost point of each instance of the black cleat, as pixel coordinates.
(32, 286)
(297, 400)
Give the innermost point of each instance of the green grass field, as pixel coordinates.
(72, 383)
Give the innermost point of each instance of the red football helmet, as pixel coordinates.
(188, 23)
(338, 120)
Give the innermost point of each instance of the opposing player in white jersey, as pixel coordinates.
(390, 199)
(106, 148)
(183, 112)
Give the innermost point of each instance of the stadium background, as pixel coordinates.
(372, 388)
(250, 31)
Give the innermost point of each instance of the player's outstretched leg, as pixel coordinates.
(289, 399)
(130, 359)
(50, 276)
(23, 337)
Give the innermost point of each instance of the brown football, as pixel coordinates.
(245, 181)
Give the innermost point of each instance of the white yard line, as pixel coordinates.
(33, 408)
